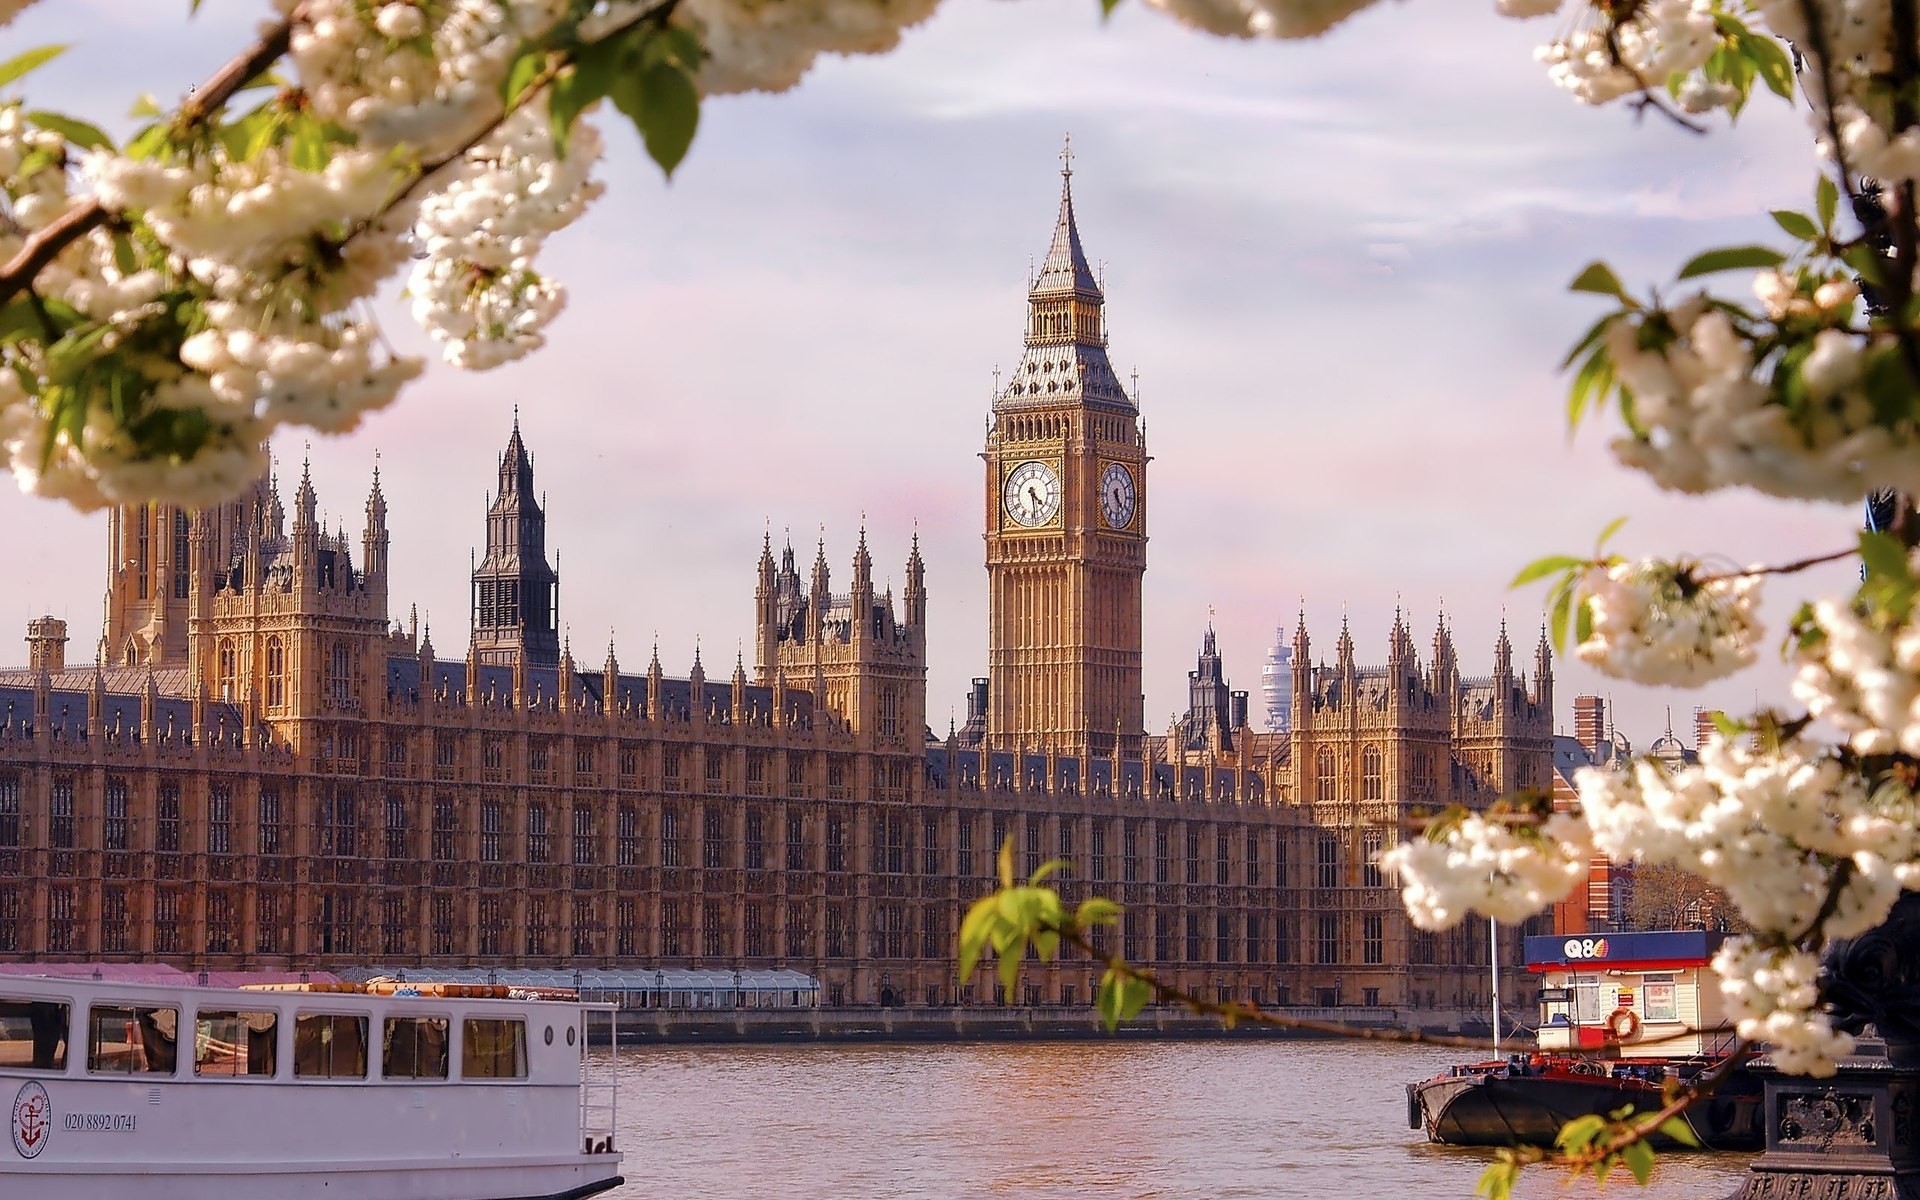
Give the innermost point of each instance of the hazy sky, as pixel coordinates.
(1338, 266)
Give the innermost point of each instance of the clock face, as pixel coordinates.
(1032, 494)
(1116, 495)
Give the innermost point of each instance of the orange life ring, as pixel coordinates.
(1623, 1024)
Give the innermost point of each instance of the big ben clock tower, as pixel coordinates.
(1066, 523)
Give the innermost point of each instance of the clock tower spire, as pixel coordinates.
(1066, 521)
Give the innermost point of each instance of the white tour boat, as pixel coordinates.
(135, 1090)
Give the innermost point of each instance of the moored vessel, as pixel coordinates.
(158, 1089)
(1622, 1016)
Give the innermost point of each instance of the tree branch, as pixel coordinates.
(47, 242)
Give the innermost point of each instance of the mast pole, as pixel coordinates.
(1493, 957)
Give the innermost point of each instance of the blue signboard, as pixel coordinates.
(1680, 947)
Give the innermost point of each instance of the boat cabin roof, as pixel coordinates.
(1660, 950)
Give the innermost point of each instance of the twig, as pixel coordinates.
(69, 227)
(1701, 1086)
(1788, 568)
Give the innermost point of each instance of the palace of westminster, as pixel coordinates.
(263, 771)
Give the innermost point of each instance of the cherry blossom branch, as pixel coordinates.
(1647, 99)
(1788, 568)
(46, 243)
(659, 13)
(1644, 1127)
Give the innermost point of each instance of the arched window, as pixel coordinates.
(1324, 777)
(340, 673)
(229, 668)
(1370, 781)
(276, 673)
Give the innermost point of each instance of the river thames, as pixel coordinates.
(1167, 1120)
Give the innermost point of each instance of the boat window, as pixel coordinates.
(235, 1043)
(134, 1040)
(329, 1046)
(416, 1048)
(493, 1049)
(1659, 1001)
(33, 1034)
(1586, 1002)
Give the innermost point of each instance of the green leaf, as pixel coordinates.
(1582, 619)
(1770, 59)
(1598, 278)
(1496, 1182)
(668, 113)
(1639, 1159)
(1558, 615)
(1826, 201)
(1047, 868)
(521, 74)
(79, 133)
(145, 106)
(1096, 910)
(1580, 1133)
(1592, 384)
(309, 145)
(1542, 567)
(1120, 998)
(23, 64)
(124, 259)
(1594, 333)
(1107, 7)
(1885, 556)
(1606, 535)
(1797, 224)
(1006, 862)
(1730, 258)
(150, 142)
(975, 929)
(1677, 1128)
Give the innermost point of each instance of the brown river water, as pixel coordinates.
(1166, 1120)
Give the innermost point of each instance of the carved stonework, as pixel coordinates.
(1818, 1187)
(1819, 1121)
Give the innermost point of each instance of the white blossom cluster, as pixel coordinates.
(1708, 419)
(424, 74)
(1508, 872)
(753, 45)
(1768, 827)
(1599, 62)
(1658, 623)
(477, 290)
(1863, 680)
(1773, 995)
(1779, 831)
(99, 464)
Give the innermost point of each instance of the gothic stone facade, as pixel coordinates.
(262, 770)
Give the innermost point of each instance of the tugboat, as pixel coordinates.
(1591, 1059)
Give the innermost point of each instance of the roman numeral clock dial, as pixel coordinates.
(1116, 495)
(1032, 494)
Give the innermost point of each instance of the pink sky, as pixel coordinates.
(1338, 266)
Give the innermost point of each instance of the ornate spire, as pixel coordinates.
(1065, 361)
(1065, 268)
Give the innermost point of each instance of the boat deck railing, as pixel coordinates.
(599, 1079)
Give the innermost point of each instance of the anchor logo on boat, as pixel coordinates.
(32, 1119)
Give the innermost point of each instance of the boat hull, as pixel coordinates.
(476, 1180)
(1496, 1108)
